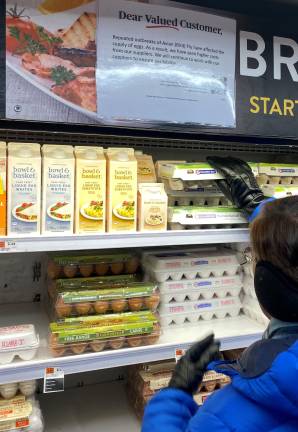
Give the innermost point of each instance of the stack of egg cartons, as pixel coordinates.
(194, 199)
(278, 180)
(195, 284)
(97, 303)
(251, 307)
(19, 410)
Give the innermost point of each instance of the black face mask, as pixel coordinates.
(277, 293)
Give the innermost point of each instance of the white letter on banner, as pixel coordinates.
(279, 59)
(256, 54)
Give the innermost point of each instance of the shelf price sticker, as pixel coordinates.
(9, 245)
(179, 352)
(53, 380)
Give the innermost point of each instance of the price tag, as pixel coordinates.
(9, 245)
(179, 352)
(53, 380)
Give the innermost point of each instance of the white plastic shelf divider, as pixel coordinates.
(233, 333)
(101, 407)
(123, 240)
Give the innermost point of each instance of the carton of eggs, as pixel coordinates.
(60, 266)
(201, 293)
(210, 198)
(26, 388)
(275, 174)
(18, 341)
(21, 414)
(133, 297)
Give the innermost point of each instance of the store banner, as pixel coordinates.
(154, 63)
(145, 64)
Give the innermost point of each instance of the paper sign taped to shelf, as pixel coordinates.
(172, 65)
(53, 380)
(179, 352)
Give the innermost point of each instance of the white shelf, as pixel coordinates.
(124, 240)
(102, 407)
(233, 333)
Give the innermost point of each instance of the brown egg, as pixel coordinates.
(117, 268)
(101, 306)
(63, 309)
(119, 305)
(117, 343)
(152, 302)
(101, 269)
(54, 270)
(86, 270)
(58, 352)
(135, 304)
(134, 341)
(132, 265)
(98, 345)
(83, 308)
(78, 349)
(151, 339)
(70, 270)
(52, 289)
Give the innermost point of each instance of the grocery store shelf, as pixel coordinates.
(101, 407)
(124, 240)
(232, 332)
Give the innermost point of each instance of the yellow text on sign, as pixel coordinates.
(270, 106)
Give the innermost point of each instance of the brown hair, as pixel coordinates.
(274, 235)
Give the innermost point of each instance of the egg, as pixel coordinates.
(98, 345)
(101, 269)
(70, 270)
(132, 265)
(117, 343)
(78, 349)
(152, 302)
(86, 270)
(9, 391)
(119, 305)
(135, 304)
(54, 270)
(101, 306)
(83, 308)
(134, 341)
(58, 351)
(63, 309)
(117, 268)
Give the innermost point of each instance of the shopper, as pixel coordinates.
(263, 394)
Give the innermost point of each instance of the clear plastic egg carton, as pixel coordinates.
(18, 341)
(200, 294)
(275, 174)
(21, 414)
(180, 314)
(26, 388)
(192, 217)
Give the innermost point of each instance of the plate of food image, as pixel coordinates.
(92, 210)
(61, 211)
(125, 211)
(26, 212)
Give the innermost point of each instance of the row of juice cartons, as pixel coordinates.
(61, 189)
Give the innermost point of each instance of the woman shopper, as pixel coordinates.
(263, 394)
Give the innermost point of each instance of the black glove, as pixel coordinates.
(239, 184)
(189, 371)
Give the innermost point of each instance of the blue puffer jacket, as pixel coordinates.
(263, 395)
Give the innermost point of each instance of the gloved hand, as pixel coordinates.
(189, 371)
(239, 184)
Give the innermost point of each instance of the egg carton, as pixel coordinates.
(186, 319)
(191, 274)
(203, 293)
(201, 216)
(198, 201)
(209, 284)
(26, 388)
(31, 421)
(279, 191)
(18, 341)
(218, 306)
(190, 259)
(274, 174)
(248, 286)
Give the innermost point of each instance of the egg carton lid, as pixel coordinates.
(197, 306)
(278, 169)
(192, 215)
(189, 171)
(18, 338)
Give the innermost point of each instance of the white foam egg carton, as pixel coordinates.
(191, 259)
(210, 284)
(191, 312)
(18, 341)
(26, 388)
(274, 174)
(189, 171)
(201, 216)
(191, 274)
(200, 293)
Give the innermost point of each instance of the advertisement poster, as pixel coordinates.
(83, 64)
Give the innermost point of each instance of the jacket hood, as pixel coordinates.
(267, 373)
